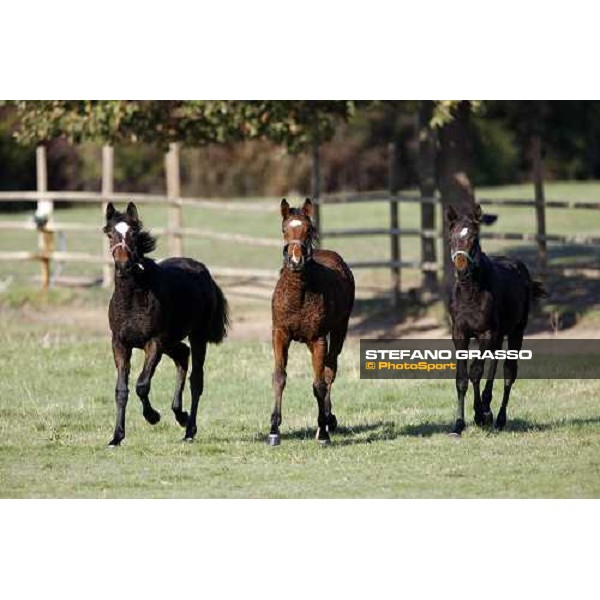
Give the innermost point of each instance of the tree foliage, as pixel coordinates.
(192, 122)
(444, 111)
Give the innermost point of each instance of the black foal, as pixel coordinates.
(490, 301)
(154, 306)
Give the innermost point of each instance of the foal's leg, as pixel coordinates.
(142, 387)
(336, 342)
(281, 344)
(515, 342)
(462, 383)
(486, 397)
(122, 356)
(198, 343)
(318, 350)
(180, 354)
(482, 417)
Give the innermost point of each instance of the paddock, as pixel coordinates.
(57, 381)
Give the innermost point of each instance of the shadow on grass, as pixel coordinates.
(347, 435)
(426, 429)
(517, 425)
(371, 317)
(379, 431)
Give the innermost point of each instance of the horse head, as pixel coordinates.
(465, 249)
(298, 234)
(128, 241)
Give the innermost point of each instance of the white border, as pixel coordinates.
(298, 549)
(316, 49)
(383, 50)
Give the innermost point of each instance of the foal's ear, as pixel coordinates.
(132, 212)
(477, 212)
(285, 209)
(451, 214)
(488, 219)
(308, 208)
(110, 211)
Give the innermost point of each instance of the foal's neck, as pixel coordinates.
(474, 281)
(295, 283)
(128, 284)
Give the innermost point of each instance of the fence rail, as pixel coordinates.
(176, 231)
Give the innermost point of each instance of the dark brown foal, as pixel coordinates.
(154, 306)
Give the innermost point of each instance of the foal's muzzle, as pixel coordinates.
(461, 260)
(123, 257)
(301, 253)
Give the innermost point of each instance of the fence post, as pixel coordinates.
(427, 185)
(174, 200)
(394, 224)
(43, 215)
(107, 190)
(316, 181)
(540, 206)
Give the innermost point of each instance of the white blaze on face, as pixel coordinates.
(122, 228)
(463, 232)
(295, 223)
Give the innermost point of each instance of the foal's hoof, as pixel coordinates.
(182, 418)
(500, 422)
(152, 416)
(323, 437)
(332, 423)
(274, 439)
(189, 435)
(187, 440)
(484, 419)
(459, 427)
(114, 442)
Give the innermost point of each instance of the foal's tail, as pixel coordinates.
(537, 289)
(219, 322)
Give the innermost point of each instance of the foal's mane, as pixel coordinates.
(145, 242)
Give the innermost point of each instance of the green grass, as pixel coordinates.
(57, 410)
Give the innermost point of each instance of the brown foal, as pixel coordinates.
(311, 304)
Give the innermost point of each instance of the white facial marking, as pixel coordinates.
(122, 228)
(295, 223)
(464, 231)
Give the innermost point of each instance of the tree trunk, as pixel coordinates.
(427, 185)
(456, 148)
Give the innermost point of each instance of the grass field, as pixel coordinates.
(56, 416)
(57, 406)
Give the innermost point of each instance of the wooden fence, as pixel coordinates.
(176, 232)
(431, 262)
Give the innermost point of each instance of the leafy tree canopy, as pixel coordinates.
(192, 122)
